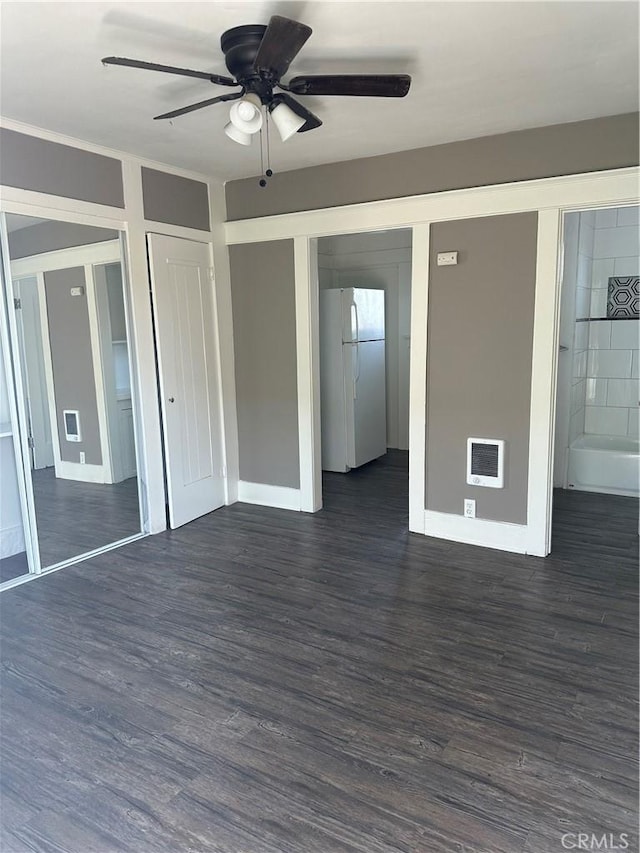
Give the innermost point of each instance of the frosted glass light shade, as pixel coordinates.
(246, 114)
(237, 135)
(286, 121)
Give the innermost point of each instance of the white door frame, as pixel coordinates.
(86, 257)
(35, 376)
(176, 511)
(550, 198)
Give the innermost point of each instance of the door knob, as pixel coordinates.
(172, 399)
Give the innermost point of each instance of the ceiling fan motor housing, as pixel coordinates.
(240, 47)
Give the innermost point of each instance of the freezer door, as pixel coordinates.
(362, 314)
(366, 404)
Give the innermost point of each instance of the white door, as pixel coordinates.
(30, 342)
(182, 292)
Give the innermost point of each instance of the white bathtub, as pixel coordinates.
(605, 463)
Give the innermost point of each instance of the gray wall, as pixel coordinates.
(115, 299)
(48, 167)
(52, 236)
(73, 378)
(480, 341)
(264, 332)
(175, 200)
(563, 149)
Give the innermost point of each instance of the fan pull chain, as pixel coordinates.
(263, 183)
(268, 173)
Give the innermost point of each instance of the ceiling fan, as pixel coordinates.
(257, 57)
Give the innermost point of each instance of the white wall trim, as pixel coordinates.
(144, 379)
(418, 377)
(500, 535)
(107, 252)
(196, 235)
(544, 364)
(281, 497)
(61, 208)
(591, 190)
(308, 366)
(85, 473)
(226, 353)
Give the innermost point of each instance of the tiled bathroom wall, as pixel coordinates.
(612, 385)
(584, 275)
(616, 251)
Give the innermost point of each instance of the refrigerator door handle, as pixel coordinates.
(354, 309)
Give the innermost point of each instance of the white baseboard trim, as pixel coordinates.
(11, 540)
(83, 473)
(500, 535)
(281, 497)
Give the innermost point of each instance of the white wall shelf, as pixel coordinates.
(5, 430)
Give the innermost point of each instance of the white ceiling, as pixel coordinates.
(478, 68)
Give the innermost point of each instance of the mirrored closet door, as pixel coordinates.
(71, 356)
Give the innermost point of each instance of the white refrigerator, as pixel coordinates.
(352, 377)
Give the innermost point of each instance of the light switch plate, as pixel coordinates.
(447, 259)
(77, 291)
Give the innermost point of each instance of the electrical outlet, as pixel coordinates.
(82, 459)
(447, 259)
(469, 508)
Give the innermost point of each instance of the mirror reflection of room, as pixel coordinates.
(76, 384)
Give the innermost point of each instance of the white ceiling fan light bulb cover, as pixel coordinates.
(286, 121)
(237, 135)
(246, 114)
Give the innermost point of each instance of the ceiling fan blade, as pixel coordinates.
(361, 85)
(311, 121)
(168, 69)
(180, 112)
(280, 45)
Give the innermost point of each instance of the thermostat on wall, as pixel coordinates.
(485, 462)
(72, 425)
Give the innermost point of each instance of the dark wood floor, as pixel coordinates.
(13, 566)
(74, 518)
(260, 681)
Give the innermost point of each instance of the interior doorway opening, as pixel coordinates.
(597, 450)
(364, 284)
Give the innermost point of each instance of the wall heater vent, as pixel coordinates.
(485, 462)
(72, 425)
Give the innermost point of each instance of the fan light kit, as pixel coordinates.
(257, 57)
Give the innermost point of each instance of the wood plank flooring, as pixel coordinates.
(75, 517)
(261, 681)
(13, 567)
